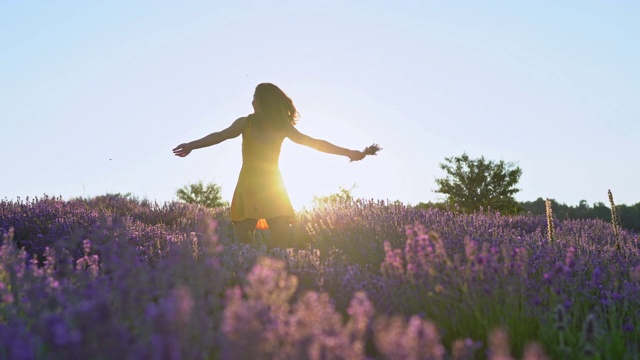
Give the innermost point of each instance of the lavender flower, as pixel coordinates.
(372, 150)
(499, 345)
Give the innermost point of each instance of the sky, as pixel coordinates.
(95, 95)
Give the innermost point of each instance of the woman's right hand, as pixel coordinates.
(355, 155)
(182, 150)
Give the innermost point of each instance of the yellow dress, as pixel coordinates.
(260, 192)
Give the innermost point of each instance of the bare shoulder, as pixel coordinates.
(241, 121)
(235, 129)
(291, 132)
(296, 136)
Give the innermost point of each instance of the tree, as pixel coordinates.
(430, 205)
(200, 194)
(342, 197)
(475, 183)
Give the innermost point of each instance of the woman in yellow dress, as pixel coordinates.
(260, 192)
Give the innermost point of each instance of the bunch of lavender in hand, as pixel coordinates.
(369, 150)
(372, 150)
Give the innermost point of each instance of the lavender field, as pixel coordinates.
(113, 277)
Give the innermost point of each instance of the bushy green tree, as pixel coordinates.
(429, 205)
(479, 183)
(343, 196)
(206, 195)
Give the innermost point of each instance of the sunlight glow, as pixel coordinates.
(308, 173)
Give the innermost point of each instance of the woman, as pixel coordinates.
(260, 191)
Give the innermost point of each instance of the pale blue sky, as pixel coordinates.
(94, 95)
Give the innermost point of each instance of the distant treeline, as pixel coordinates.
(628, 215)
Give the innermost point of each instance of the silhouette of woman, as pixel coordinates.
(260, 191)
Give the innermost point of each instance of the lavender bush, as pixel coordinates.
(116, 276)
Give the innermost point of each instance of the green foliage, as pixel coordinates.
(478, 183)
(342, 197)
(628, 215)
(206, 195)
(430, 205)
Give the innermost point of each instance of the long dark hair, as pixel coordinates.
(275, 105)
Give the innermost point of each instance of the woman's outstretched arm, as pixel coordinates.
(322, 145)
(231, 132)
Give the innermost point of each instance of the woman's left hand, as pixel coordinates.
(182, 150)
